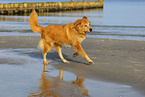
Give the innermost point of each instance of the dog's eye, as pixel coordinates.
(85, 25)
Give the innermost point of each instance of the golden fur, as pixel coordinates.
(54, 35)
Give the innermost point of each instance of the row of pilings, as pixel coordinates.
(22, 8)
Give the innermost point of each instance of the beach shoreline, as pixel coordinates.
(119, 61)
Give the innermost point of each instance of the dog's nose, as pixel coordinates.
(90, 29)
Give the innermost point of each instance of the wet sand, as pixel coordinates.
(120, 62)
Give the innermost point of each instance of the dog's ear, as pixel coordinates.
(78, 22)
(85, 17)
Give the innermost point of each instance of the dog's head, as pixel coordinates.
(83, 25)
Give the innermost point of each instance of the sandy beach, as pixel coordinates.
(116, 61)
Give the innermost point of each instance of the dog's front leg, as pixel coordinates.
(80, 50)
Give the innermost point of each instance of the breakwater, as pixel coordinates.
(22, 8)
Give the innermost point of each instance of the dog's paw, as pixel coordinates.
(75, 54)
(91, 62)
(65, 61)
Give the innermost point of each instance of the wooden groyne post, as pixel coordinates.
(21, 8)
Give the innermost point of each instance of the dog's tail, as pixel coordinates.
(33, 22)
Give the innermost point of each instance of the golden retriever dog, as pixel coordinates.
(55, 35)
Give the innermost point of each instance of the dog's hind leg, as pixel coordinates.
(47, 48)
(59, 48)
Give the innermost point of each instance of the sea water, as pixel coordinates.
(119, 19)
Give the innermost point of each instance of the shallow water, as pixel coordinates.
(22, 74)
(119, 19)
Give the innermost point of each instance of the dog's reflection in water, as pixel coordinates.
(54, 87)
(79, 82)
